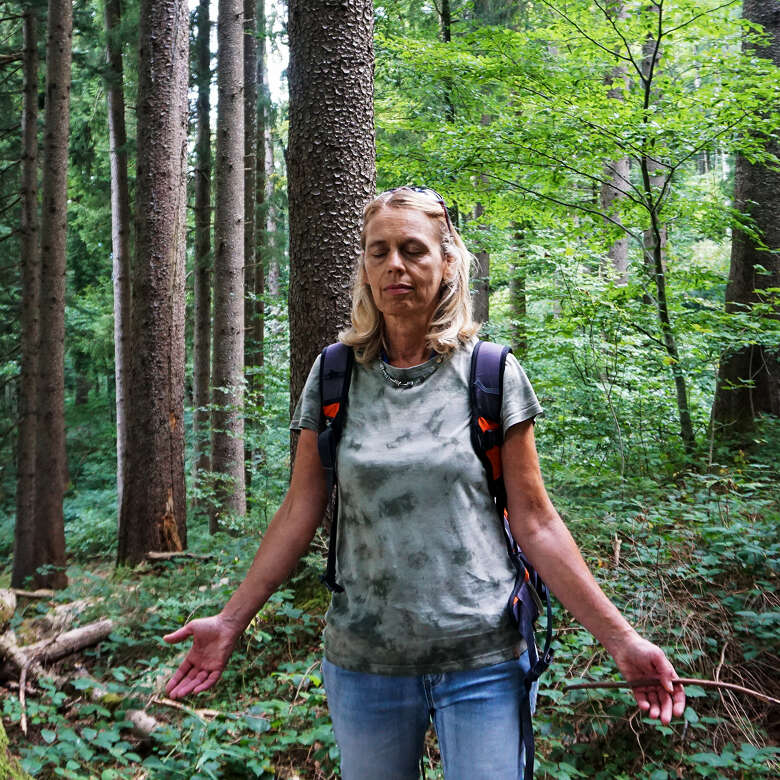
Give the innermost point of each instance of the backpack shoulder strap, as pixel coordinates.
(486, 388)
(336, 362)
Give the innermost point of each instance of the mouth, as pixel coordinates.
(397, 289)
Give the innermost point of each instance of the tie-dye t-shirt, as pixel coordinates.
(420, 550)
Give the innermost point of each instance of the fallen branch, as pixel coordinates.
(70, 641)
(682, 680)
(169, 556)
(41, 593)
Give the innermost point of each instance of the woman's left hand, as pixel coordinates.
(639, 659)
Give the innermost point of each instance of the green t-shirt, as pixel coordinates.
(420, 550)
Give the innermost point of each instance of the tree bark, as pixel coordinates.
(262, 143)
(24, 529)
(250, 175)
(749, 377)
(331, 168)
(50, 445)
(616, 172)
(201, 354)
(517, 297)
(153, 515)
(120, 230)
(480, 292)
(251, 108)
(228, 369)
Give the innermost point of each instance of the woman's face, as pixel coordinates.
(403, 262)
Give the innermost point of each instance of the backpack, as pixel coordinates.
(529, 594)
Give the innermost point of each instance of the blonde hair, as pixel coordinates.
(452, 324)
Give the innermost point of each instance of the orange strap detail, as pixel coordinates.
(486, 425)
(494, 456)
(331, 410)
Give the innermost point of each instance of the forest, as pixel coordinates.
(179, 225)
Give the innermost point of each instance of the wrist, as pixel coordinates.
(233, 622)
(619, 639)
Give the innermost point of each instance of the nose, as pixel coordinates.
(394, 260)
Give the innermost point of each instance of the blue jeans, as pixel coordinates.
(380, 721)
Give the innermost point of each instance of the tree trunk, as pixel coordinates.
(153, 515)
(250, 201)
(24, 530)
(445, 30)
(616, 175)
(616, 172)
(250, 172)
(50, 457)
(749, 378)
(120, 230)
(256, 330)
(655, 183)
(480, 292)
(517, 297)
(201, 353)
(331, 168)
(228, 369)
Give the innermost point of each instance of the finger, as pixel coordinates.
(182, 689)
(640, 694)
(678, 700)
(178, 635)
(191, 682)
(655, 706)
(208, 682)
(179, 674)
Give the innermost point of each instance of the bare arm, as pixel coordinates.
(552, 550)
(286, 540)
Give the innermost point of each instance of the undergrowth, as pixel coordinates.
(691, 559)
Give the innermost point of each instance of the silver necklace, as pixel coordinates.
(402, 384)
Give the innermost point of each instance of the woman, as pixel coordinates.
(421, 630)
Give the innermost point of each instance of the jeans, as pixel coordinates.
(380, 721)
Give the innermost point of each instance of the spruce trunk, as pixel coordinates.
(331, 171)
(201, 356)
(153, 515)
(50, 460)
(24, 530)
(749, 378)
(228, 368)
(120, 230)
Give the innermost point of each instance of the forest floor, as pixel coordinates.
(693, 562)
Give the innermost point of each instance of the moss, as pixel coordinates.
(9, 766)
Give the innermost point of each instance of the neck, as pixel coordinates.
(405, 342)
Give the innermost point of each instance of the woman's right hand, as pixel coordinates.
(213, 641)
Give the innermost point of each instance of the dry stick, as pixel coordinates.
(682, 680)
(22, 695)
(169, 556)
(201, 714)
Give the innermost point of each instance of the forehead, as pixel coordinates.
(395, 223)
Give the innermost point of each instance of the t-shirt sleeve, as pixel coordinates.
(520, 402)
(307, 410)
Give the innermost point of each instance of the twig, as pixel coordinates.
(720, 663)
(682, 680)
(300, 685)
(22, 695)
(197, 713)
(167, 556)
